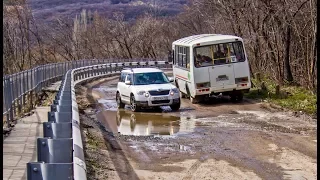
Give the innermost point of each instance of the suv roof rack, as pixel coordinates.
(128, 69)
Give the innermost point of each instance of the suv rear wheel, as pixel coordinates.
(120, 104)
(133, 104)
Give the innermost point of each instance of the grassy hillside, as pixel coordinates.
(49, 10)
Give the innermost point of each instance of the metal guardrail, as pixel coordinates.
(19, 89)
(60, 153)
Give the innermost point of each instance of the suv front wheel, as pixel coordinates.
(175, 107)
(133, 104)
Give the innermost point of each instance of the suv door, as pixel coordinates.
(121, 85)
(126, 88)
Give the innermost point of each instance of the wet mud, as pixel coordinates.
(217, 139)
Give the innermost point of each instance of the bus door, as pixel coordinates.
(222, 71)
(221, 76)
(220, 68)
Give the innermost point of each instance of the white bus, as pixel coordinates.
(209, 64)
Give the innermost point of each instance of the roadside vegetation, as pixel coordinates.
(291, 97)
(280, 39)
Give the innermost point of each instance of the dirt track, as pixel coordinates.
(216, 140)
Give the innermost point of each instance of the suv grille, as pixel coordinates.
(159, 93)
(160, 101)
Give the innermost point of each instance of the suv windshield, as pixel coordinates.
(150, 78)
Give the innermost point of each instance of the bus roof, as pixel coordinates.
(201, 38)
(142, 70)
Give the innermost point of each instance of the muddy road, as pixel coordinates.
(215, 140)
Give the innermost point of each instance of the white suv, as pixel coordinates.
(146, 87)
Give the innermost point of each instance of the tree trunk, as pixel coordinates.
(288, 76)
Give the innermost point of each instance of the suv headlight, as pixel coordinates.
(141, 92)
(175, 90)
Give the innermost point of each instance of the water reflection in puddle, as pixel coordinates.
(144, 124)
(109, 104)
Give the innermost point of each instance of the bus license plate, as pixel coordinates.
(160, 98)
(222, 78)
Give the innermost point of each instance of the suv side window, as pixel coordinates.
(123, 77)
(129, 77)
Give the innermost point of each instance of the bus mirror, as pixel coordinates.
(171, 79)
(170, 59)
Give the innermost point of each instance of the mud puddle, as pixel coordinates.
(144, 124)
(219, 140)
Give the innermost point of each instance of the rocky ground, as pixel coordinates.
(215, 140)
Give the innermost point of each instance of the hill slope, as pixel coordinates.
(50, 10)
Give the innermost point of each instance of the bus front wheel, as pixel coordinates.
(182, 95)
(194, 100)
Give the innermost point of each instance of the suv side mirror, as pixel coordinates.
(171, 79)
(127, 82)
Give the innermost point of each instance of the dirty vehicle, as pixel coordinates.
(146, 87)
(210, 64)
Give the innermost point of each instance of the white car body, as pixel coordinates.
(148, 95)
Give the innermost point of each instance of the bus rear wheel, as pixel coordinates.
(236, 96)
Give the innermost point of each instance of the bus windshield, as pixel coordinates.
(219, 54)
(150, 78)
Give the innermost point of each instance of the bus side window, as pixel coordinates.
(188, 57)
(239, 51)
(181, 56)
(176, 55)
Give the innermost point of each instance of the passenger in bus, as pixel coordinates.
(206, 59)
(197, 60)
(226, 55)
(220, 57)
(219, 54)
(231, 57)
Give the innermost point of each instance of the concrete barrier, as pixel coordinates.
(60, 152)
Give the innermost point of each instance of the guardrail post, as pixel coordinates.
(57, 130)
(7, 99)
(25, 89)
(54, 150)
(44, 171)
(59, 117)
(14, 93)
(19, 93)
(10, 99)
